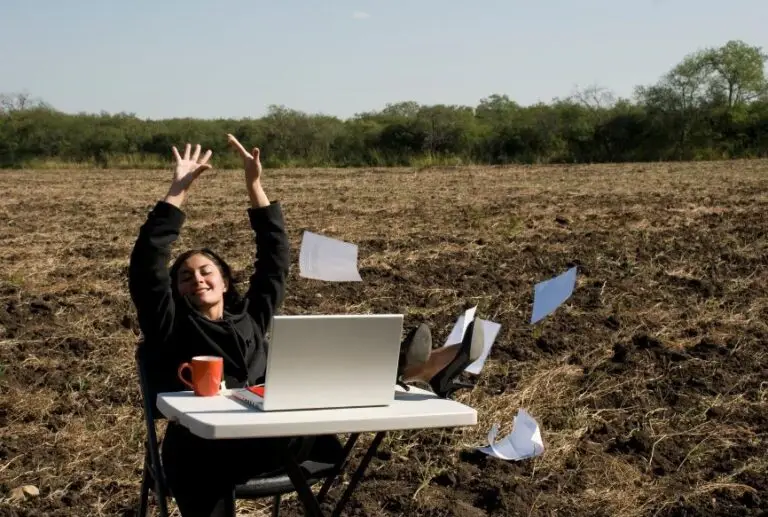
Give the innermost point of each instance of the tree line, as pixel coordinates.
(712, 105)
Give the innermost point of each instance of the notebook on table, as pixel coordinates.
(329, 361)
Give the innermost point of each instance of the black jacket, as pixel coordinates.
(174, 331)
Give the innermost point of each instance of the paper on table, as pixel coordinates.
(490, 331)
(460, 327)
(324, 258)
(523, 442)
(548, 295)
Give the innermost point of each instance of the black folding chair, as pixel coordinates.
(270, 485)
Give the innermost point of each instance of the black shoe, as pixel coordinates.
(414, 351)
(444, 384)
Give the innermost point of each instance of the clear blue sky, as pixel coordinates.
(233, 58)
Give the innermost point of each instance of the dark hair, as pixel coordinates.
(231, 298)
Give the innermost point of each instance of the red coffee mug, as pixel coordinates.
(207, 371)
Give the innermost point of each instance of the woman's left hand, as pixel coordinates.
(251, 161)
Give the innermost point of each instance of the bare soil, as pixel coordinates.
(650, 383)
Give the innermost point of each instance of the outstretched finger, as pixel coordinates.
(206, 156)
(176, 154)
(237, 145)
(196, 154)
(187, 149)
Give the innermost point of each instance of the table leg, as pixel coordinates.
(357, 476)
(303, 490)
(338, 467)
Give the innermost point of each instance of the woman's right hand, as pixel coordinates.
(189, 168)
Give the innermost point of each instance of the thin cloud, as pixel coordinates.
(360, 15)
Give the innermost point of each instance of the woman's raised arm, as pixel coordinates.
(148, 280)
(266, 291)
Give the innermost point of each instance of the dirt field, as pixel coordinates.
(650, 383)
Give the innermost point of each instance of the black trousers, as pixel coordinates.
(202, 474)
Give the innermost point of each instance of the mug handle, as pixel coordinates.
(185, 366)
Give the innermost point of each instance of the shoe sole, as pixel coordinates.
(478, 341)
(420, 346)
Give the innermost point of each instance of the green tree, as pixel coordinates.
(737, 73)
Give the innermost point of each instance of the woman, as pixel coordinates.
(195, 309)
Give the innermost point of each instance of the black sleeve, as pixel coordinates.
(267, 283)
(148, 279)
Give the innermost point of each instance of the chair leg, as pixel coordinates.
(144, 497)
(276, 506)
(161, 496)
(154, 481)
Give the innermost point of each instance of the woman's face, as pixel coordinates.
(200, 280)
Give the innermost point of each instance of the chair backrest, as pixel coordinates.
(148, 387)
(151, 413)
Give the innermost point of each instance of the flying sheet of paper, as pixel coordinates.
(460, 327)
(523, 442)
(324, 258)
(548, 295)
(490, 331)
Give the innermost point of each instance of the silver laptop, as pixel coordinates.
(332, 361)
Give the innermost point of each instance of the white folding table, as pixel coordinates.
(224, 417)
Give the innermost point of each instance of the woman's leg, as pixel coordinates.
(202, 474)
(248, 459)
(196, 475)
(438, 359)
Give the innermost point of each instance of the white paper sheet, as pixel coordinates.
(548, 295)
(460, 327)
(523, 442)
(324, 258)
